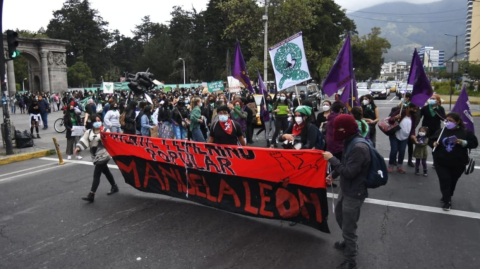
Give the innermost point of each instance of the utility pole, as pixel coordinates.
(6, 114)
(265, 52)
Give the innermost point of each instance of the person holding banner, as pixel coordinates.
(450, 154)
(352, 170)
(225, 131)
(71, 119)
(239, 114)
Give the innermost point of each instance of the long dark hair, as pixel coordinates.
(370, 99)
(131, 106)
(357, 113)
(457, 118)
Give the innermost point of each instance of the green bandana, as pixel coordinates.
(432, 112)
(305, 110)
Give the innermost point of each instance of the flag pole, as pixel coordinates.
(351, 90)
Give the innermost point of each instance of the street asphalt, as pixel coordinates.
(45, 224)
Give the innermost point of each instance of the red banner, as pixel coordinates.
(278, 184)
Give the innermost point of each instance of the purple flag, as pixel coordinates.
(349, 96)
(263, 106)
(462, 107)
(422, 90)
(239, 70)
(341, 73)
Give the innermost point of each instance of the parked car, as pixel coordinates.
(404, 88)
(379, 90)
(392, 85)
(362, 85)
(362, 92)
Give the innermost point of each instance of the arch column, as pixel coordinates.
(11, 78)
(45, 75)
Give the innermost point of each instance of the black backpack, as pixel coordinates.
(138, 121)
(377, 175)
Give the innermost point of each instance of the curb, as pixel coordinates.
(26, 156)
(476, 114)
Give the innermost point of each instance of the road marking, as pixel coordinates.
(393, 98)
(430, 209)
(33, 172)
(114, 166)
(406, 161)
(20, 171)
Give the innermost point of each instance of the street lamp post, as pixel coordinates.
(265, 49)
(183, 70)
(23, 84)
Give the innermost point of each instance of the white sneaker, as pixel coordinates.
(79, 157)
(69, 157)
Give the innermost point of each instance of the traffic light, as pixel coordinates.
(12, 42)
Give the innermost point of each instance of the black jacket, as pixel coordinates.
(308, 136)
(130, 120)
(67, 121)
(352, 169)
(448, 153)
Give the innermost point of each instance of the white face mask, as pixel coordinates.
(293, 96)
(282, 98)
(421, 133)
(298, 120)
(326, 108)
(223, 118)
(365, 102)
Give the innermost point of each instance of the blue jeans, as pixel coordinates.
(197, 135)
(115, 129)
(397, 146)
(44, 119)
(180, 132)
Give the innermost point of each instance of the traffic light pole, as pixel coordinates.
(6, 114)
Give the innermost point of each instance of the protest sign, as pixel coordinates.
(108, 87)
(215, 86)
(78, 130)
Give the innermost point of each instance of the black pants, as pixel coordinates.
(281, 124)
(448, 176)
(410, 150)
(97, 172)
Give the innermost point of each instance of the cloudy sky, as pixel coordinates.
(124, 15)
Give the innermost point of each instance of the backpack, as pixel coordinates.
(121, 119)
(377, 173)
(320, 142)
(138, 121)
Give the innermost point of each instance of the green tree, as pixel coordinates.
(79, 74)
(21, 70)
(367, 54)
(253, 65)
(87, 32)
(148, 29)
(474, 71)
(158, 55)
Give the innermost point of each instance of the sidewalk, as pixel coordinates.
(42, 147)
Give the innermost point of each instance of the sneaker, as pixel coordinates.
(390, 169)
(340, 245)
(447, 206)
(417, 172)
(79, 157)
(69, 157)
(425, 174)
(401, 170)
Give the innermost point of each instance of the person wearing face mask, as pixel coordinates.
(433, 114)
(91, 139)
(181, 119)
(35, 117)
(251, 117)
(281, 111)
(266, 116)
(112, 119)
(322, 116)
(398, 141)
(371, 115)
(238, 114)
(226, 131)
(71, 119)
(450, 154)
(353, 170)
(421, 152)
(196, 119)
(302, 130)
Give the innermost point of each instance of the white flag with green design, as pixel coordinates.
(289, 62)
(108, 87)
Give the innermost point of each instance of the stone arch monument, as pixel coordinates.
(47, 64)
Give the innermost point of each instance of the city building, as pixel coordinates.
(472, 32)
(431, 58)
(398, 70)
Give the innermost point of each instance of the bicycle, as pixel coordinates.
(59, 126)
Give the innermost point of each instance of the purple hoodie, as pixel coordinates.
(332, 145)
